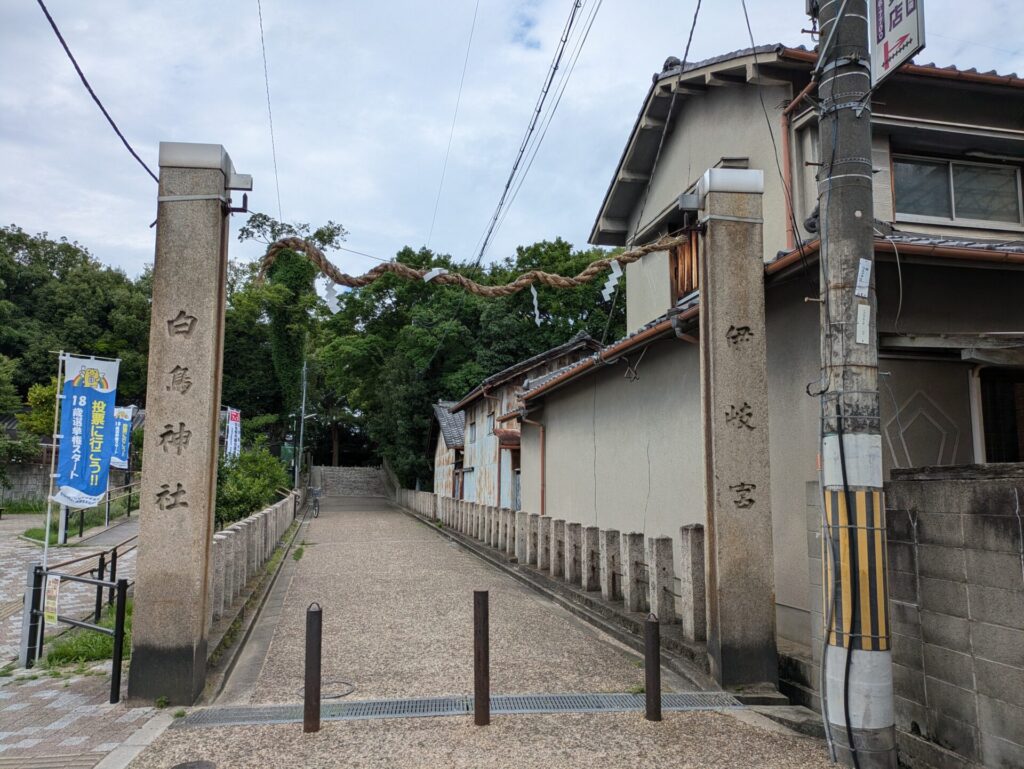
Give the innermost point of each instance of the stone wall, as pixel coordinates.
(956, 578)
(351, 481)
(28, 481)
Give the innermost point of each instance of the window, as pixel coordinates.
(490, 423)
(472, 432)
(974, 194)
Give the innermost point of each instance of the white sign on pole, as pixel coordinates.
(897, 35)
(233, 442)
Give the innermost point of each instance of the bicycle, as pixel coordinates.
(314, 493)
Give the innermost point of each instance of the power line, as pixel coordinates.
(451, 133)
(560, 88)
(92, 93)
(552, 71)
(270, 113)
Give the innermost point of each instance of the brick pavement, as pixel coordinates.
(63, 721)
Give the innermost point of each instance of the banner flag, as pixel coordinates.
(233, 440)
(122, 437)
(86, 431)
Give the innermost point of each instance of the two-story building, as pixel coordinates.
(615, 440)
(488, 470)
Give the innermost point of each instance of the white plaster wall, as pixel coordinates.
(723, 122)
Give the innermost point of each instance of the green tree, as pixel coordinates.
(13, 448)
(248, 483)
(54, 295)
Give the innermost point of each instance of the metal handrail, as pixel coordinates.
(94, 554)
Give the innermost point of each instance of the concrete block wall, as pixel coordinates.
(240, 552)
(622, 566)
(956, 580)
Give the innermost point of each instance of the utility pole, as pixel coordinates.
(858, 697)
(302, 425)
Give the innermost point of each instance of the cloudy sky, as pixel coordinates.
(363, 96)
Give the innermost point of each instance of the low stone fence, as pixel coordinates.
(622, 566)
(241, 550)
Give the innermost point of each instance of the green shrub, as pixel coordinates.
(248, 483)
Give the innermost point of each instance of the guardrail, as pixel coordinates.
(34, 621)
(108, 498)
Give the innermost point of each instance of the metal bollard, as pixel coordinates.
(314, 635)
(118, 655)
(81, 522)
(113, 574)
(100, 570)
(481, 660)
(652, 667)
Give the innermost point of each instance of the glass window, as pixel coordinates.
(988, 193)
(472, 432)
(922, 188)
(958, 192)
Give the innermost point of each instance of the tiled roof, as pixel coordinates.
(452, 425)
(917, 239)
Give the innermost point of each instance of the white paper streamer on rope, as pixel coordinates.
(434, 273)
(613, 279)
(536, 305)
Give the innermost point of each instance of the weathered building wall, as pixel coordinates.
(624, 454)
(717, 124)
(650, 289)
(444, 468)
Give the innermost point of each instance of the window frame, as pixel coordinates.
(490, 423)
(954, 220)
(471, 437)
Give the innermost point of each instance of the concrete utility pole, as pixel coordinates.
(858, 661)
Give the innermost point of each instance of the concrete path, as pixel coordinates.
(397, 601)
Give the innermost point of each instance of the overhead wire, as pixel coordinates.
(455, 117)
(270, 112)
(92, 93)
(546, 123)
(531, 127)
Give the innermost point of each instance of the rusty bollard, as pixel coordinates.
(652, 667)
(481, 660)
(311, 690)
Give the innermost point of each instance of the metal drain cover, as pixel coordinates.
(195, 765)
(507, 704)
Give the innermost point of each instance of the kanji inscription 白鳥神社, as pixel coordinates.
(181, 382)
(175, 438)
(181, 324)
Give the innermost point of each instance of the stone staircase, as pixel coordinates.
(350, 481)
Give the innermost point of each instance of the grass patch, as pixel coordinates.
(23, 506)
(81, 645)
(297, 554)
(7, 670)
(638, 689)
(161, 702)
(179, 713)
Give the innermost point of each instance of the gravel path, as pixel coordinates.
(587, 741)
(398, 618)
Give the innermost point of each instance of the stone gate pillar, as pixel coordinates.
(734, 403)
(179, 474)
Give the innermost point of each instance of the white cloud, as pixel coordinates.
(363, 97)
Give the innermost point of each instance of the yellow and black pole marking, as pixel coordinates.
(857, 541)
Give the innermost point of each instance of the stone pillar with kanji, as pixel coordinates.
(734, 401)
(179, 475)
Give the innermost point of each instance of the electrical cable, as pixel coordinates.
(560, 89)
(92, 93)
(455, 116)
(552, 71)
(270, 114)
